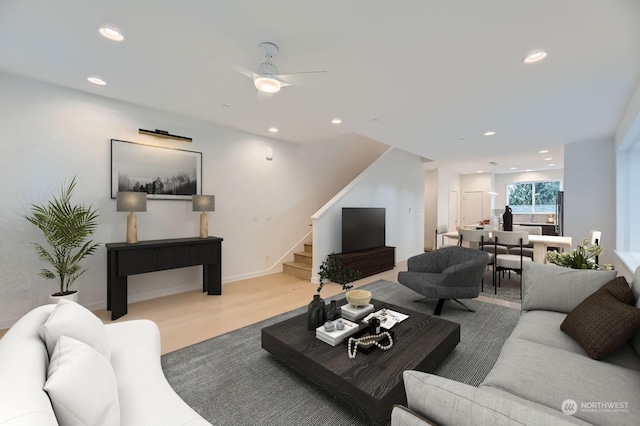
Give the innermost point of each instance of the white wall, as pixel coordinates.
(447, 181)
(589, 188)
(477, 182)
(627, 140)
(396, 182)
(482, 182)
(430, 208)
(263, 208)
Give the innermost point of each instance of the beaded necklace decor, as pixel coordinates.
(367, 341)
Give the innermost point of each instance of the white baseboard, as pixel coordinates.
(148, 295)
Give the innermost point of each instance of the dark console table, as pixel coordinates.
(158, 255)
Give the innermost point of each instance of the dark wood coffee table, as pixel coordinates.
(371, 383)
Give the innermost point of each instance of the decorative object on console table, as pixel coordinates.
(127, 201)
(204, 204)
(66, 229)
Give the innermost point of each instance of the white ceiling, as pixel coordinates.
(431, 72)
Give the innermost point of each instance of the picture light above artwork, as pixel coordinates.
(164, 134)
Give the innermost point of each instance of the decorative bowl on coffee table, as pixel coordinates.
(358, 297)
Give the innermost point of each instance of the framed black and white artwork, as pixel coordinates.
(163, 173)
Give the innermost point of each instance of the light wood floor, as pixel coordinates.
(191, 317)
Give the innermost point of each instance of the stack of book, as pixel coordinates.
(336, 336)
(354, 313)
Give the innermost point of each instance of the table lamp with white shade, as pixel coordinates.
(128, 201)
(204, 204)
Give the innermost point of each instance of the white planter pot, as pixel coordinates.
(73, 297)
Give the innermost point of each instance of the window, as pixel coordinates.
(533, 197)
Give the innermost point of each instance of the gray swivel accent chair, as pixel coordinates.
(447, 273)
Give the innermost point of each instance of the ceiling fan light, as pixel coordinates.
(266, 84)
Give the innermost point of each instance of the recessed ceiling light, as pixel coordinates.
(513, 168)
(544, 151)
(273, 129)
(111, 33)
(224, 106)
(97, 81)
(536, 56)
(552, 164)
(528, 170)
(461, 140)
(375, 120)
(479, 171)
(490, 133)
(336, 120)
(548, 159)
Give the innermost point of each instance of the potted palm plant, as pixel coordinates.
(67, 229)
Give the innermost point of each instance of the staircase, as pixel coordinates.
(301, 265)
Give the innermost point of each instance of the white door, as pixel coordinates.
(472, 207)
(453, 211)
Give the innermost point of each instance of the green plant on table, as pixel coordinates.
(332, 270)
(67, 229)
(579, 258)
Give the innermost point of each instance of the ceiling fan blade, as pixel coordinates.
(243, 71)
(309, 77)
(264, 96)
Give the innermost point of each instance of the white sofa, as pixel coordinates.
(125, 355)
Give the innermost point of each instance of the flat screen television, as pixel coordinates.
(362, 228)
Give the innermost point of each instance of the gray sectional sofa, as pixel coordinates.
(542, 376)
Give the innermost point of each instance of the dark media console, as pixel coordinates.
(371, 261)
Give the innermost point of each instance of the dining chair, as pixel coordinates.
(510, 262)
(441, 230)
(527, 249)
(479, 237)
(594, 239)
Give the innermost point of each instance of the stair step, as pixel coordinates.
(308, 247)
(297, 269)
(303, 257)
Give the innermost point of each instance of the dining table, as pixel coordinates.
(541, 244)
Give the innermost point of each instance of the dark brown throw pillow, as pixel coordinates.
(605, 320)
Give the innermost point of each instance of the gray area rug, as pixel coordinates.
(509, 288)
(231, 380)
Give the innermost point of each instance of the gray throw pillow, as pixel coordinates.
(554, 288)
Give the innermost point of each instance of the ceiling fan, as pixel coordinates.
(268, 81)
